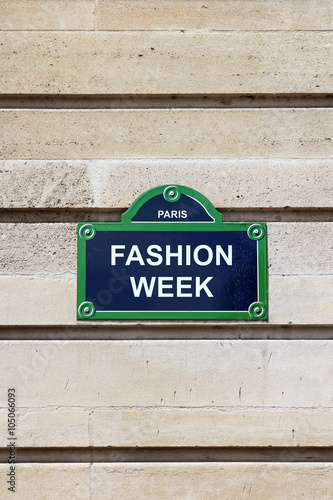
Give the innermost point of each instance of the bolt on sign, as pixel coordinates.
(172, 257)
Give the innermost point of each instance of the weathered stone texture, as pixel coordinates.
(32, 184)
(187, 133)
(214, 15)
(47, 429)
(28, 300)
(161, 480)
(183, 373)
(113, 184)
(37, 481)
(166, 63)
(165, 427)
(47, 15)
(214, 481)
(48, 248)
(300, 248)
(212, 427)
(301, 300)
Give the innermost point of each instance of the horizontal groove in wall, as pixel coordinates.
(168, 331)
(286, 214)
(198, 454)
(166, 101)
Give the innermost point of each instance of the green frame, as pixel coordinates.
(256, 231)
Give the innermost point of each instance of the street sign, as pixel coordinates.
(172, 257)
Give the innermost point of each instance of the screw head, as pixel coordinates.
(86, 310)
(256, 310)
(87, 231)
(172, 193)
(256, 231)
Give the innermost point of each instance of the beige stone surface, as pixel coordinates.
(211, 481)
(41, 249)
(187, 133)
(32, 184)
(237, 183)
(52, 428)
(38, 481)
(214, 15)
(212, 427)
(47, 15)
(163, 63)
(165, 427)
(50, 249)
(183, 373)
(301, 300)
(300, 248)
(51, 300)
(31, 300)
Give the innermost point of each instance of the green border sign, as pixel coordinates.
(185, 216)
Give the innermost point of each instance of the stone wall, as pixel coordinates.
(101, 100)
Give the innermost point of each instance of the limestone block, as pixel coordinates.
(47, 15)
(175, 427)
(295, 300)
(211, 481)
(39, 249)
(42, 184)
(47, 429)
(187, 133)
(214, 15)
(211, 427)
(300, 248)
(232, 374)
(37, 481)
(238, 183)
(251, 62)
(30, 300)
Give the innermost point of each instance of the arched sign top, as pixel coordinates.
(172, 203)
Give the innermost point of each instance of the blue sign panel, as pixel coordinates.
(172, 258)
